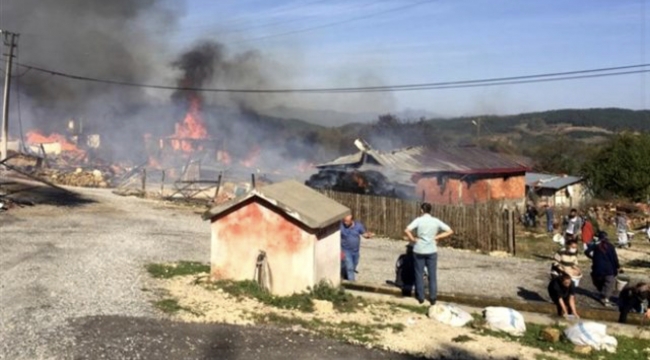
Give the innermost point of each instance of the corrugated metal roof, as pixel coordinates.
(464, 160)
(298, 201)
(550, 181)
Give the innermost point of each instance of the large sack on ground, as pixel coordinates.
(591, 334)
(450, 315)
(505, 319)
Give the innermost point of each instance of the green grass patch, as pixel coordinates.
(545, 357)
(344, 331)
(420, 310)
(171, 306)
(462, 339)
(342, 301)
(181, 268)
(628, 348)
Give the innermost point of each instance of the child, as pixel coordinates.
(566, 261)
(562, 292)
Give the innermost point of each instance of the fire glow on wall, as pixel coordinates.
(297, 228)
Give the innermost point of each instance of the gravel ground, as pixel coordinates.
(73, 261)
(468, 272)
(71, 278)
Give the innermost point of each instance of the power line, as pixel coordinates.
(545, 77)
(363, 17)
(283, 22)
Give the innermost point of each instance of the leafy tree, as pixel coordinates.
(560, 156)
(621, 168)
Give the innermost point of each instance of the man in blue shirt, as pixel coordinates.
(351, 233)
(425, 251)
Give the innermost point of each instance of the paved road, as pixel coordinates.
(71, 273)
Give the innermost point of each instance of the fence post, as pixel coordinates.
(510, 231)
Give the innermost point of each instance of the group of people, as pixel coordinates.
(425, 231)
(605, 267)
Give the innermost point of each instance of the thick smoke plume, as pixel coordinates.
(118, 39)
(129, 40)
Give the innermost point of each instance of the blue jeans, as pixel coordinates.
(431, 262)
(350, 264)
(549, 226)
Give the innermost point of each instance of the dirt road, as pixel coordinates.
(71, 270)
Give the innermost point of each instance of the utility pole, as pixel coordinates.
(477, 123)
(9, 40)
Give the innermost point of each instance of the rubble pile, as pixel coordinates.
(69, 170)
(78, 177)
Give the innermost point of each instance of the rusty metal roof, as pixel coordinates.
(420, 159)
(296, 200)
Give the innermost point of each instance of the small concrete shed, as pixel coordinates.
(297, 228)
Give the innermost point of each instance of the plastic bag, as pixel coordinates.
(591, 334)
(558, 239)
(450, 315)
(505, 319)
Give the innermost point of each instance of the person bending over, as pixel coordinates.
(634, 298)
(562, 292)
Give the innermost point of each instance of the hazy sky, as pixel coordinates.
(444, 40)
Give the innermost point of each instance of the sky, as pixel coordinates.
(386, 42)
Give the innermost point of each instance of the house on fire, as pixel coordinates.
(441, 175)
(295, 226)
(556, 190)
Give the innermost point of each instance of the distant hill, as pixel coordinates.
(332, 118)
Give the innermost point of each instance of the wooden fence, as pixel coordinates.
(484, 227)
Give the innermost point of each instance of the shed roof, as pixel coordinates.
(298, 201)
(550, 181)
(424, 159)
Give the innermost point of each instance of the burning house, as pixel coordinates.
(285, 230)
(450, 175)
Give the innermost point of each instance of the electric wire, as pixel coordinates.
(510, 80)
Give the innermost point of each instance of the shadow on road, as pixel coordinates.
(36, 194)
(529, 295)
(118, 337)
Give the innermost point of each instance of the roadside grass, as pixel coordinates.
(171, 306)
(344, 331)
(181, 268)
(420, 310)
(462, 339)
(342, 301)
(628, 348)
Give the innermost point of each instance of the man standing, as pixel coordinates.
(351, 233)
(425, 250)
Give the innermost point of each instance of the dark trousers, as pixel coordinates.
(556, 301)
(605, 285)
(431, 263)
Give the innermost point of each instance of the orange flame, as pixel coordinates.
(192, 127)
(252, 157)
(35, 137)
(304, 166)
(223, 157)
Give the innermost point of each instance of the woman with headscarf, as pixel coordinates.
(604, 268)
